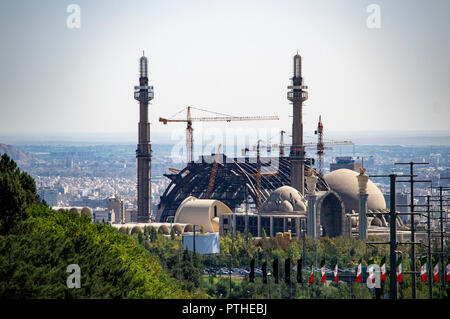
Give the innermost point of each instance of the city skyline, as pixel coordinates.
(227, 57)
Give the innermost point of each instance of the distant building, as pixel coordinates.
(130, 216)
(347, 162)
(90, 202)
(400, 199)
(116, 204)
(49, 195)
(103, 216)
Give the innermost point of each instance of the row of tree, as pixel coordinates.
(37, 244)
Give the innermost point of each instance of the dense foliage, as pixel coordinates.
(37, 244)
(17, 192)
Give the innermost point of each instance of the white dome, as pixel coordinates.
(344, 182)
(284, 199)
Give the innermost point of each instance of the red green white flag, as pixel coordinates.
(311, 277)
(383, 269)
(359, 272)
(335, 272)
(423, 273)
(399, 271)
(436, 272)
(322, 271)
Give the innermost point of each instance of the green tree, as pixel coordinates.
(17, 193)
(37, 251)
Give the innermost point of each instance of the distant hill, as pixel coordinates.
(16, 154)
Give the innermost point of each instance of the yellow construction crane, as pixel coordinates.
(224, 118)
(212, 178)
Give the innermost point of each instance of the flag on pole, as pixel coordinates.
(399, 270)
(311, 277)
(436, 272)
(370, 270)
(447, 274)
(359, 272)
(423, 272)
(335, 272)
(322, 270)
(383, 269)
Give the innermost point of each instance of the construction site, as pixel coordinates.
(287, 193)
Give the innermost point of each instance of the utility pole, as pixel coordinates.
(393, 238)
(442, 220)
(393, 234)
(411, 205)
(430, 237)
(232, 251)
(430, 283)
(246, 214)
(194, 240)
(442, 238)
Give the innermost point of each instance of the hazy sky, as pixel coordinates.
(233, 57)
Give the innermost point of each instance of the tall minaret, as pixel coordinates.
(297, 95)
(143, 93)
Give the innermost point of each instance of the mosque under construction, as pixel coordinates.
(293, 198)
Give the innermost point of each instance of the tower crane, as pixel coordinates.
(320, 146)
(224, 118)
(212, 178)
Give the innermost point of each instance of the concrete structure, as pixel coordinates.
(143, 93)
(362, 184)
(82, 211)
(201, 212)
(130, 216)
(116, 205)
(312, 229)
(347, 162)
(334, 212)
(283, 212)
(297, 95)
(103, 216)
(204, 243)
(344, 182)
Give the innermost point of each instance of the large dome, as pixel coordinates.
(284, 200)
(344, 182)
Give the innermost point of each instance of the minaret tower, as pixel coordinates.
(297, 94)
(143, 93)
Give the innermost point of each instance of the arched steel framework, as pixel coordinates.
(235, 178)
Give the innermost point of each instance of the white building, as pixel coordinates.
(104, 216)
